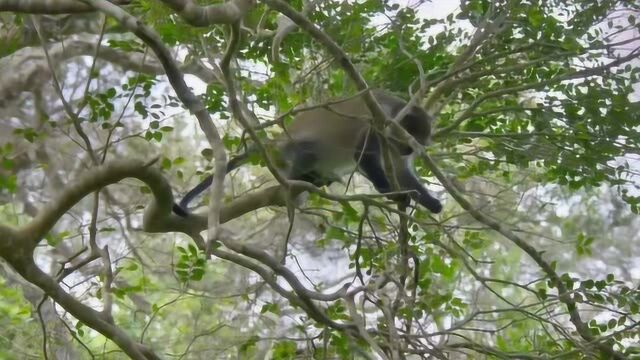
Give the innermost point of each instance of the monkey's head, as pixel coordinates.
(416, 122)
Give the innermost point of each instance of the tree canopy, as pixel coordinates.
(113, 109)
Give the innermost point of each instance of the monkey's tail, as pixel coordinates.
(181, 208)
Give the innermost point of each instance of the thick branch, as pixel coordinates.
(96, 179)
(304, 295)
(16, 246)
(50, 6)
(224, 13)
(158, 217)
(84, 313)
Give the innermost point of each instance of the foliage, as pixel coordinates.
(538, 127)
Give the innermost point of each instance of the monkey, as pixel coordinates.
(323, 144)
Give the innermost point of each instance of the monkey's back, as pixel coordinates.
(338, 125)
(335, 133)
(332, 134)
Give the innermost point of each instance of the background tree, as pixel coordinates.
(535, 155)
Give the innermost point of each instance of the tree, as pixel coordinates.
(535, 153)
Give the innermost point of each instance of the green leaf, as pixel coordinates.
(197, 274)
(622, 320)
(587, 284)
(247, 347)
(193, 250)
(335, 233)
(542, 293)
(284, 350)
(350, 213)
(535, 17)
(270, 307)
(165, 164)
(178, 161)
(140, 109)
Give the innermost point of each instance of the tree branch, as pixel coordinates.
(184, 93)
(225, 13)
(17, 245)
(50, 6)
(30, 70)
(580, 74)
(563, 293)
(336, 51)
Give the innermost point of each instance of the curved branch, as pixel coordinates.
(92, 318)
(17, 245)
(285, 27)
(89, 182)
(158, 216)
(302, 299)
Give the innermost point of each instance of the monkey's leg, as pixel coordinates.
(369, 163)
(408, 181)
(302, 158)
(370, 166)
